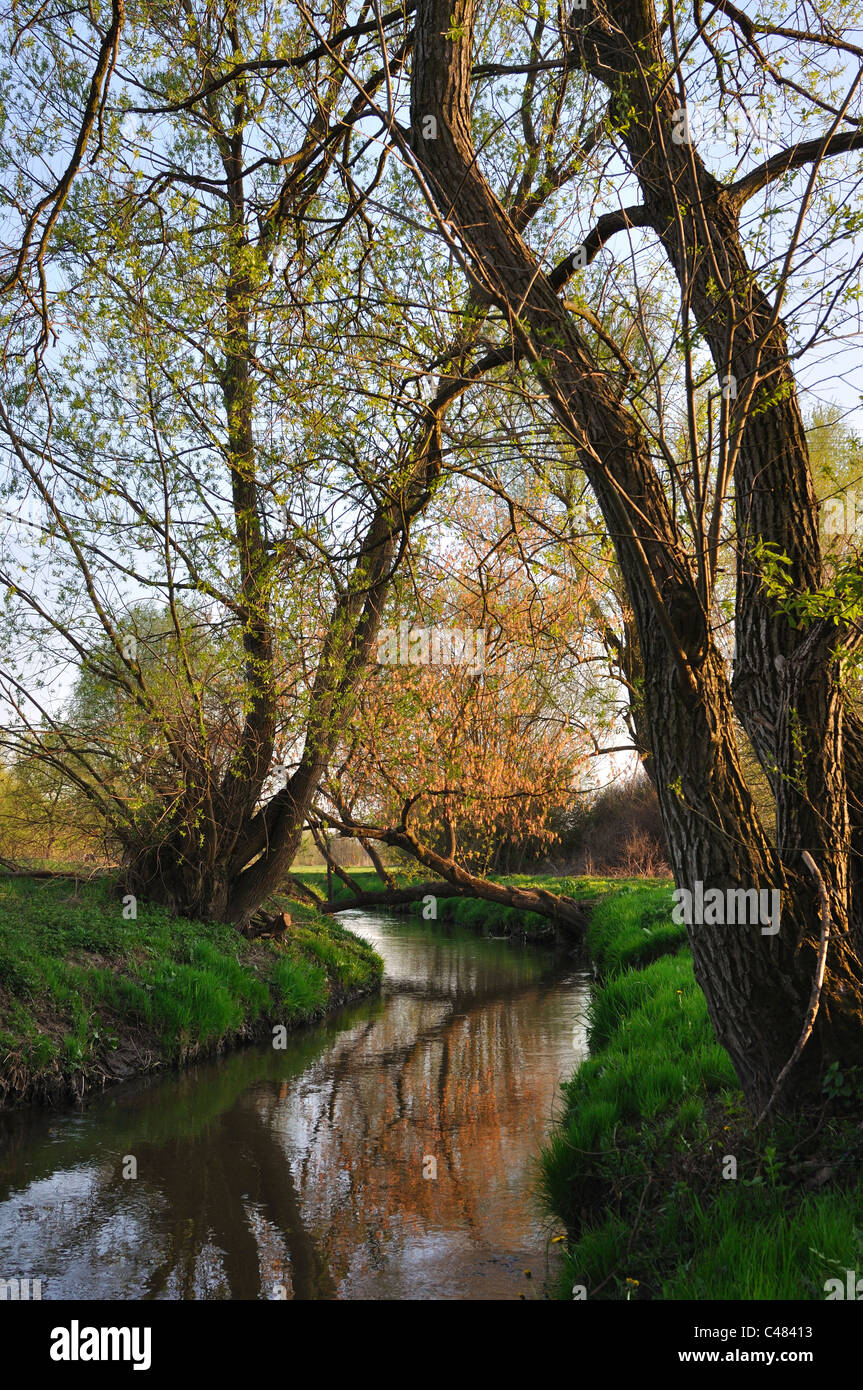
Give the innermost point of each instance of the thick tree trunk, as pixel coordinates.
(697, 221)
(193, 885)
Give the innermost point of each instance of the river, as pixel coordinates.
(387, 1153)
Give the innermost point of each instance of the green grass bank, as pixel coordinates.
(664, 1185)
(487, 918)
(88, 997)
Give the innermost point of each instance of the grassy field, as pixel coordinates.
(664, 1186)
(87, 997)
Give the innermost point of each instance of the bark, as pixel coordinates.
(624, 654)
(275, 833)
(271, 926)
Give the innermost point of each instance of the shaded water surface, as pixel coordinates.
(308, 1173)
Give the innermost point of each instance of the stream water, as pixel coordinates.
(388, 1153)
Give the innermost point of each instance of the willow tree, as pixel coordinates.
(735, 271)
(479, 718)
(200, 417)
(218, 405)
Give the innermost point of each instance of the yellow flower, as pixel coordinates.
(633, 1282)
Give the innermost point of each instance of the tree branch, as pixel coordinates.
(607, 226)
(570, 914)
(795, 157)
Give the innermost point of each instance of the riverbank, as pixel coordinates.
(664, 1186)
(388, 1152)
(88, 998)
(487, 918)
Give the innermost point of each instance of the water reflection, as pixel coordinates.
(385, 1154)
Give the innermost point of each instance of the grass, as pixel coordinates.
(632, 925)
(87, 996)
(665, 1188)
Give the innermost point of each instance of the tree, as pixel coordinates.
(670, 522)
(179, 434)
(42, 816)
(668, 378)
(478, 721)
(217, 399)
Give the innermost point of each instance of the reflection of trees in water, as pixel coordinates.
(298, 1182)
(248, 1209)
(447, 967)
(461, 1085)
(210, 1217)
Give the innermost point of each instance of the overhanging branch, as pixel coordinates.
(795, 157)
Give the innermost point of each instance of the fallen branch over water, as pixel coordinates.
(571, 915)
